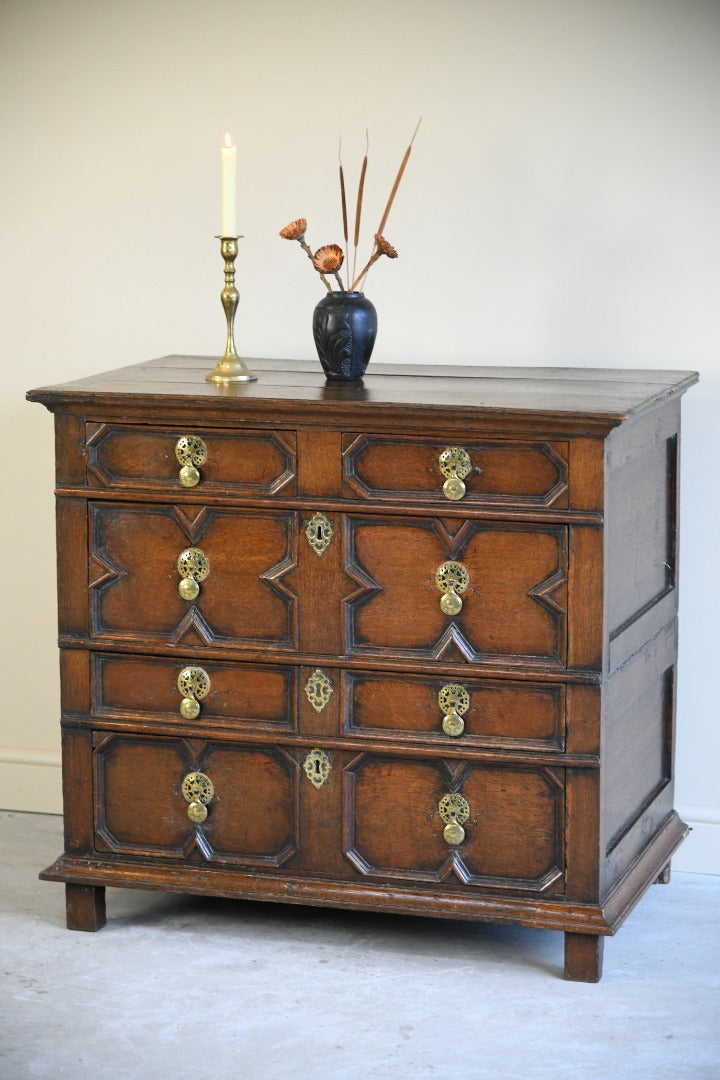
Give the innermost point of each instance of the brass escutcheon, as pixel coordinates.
(455, 464)
(317, 767)
(191, 452)
(198, 790)
(318, 689)
(454, 811)
(451, 579)
(194, 684)
(319, 532)
(193, 566)
(454, 700)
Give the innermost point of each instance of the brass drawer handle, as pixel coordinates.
(455, 464)
(454, 701)
(198, 790)
(194, 684)
(454, 810)
(191, 453)
(451, 579)
(193, 566)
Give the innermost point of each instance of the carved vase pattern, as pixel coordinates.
(344, 328)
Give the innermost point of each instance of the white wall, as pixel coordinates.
(561, 206)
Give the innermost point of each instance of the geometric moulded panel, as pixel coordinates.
(242, 601)
(511, 838)
(145, 787)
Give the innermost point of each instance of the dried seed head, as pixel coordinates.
(328, 258)
(384, 248)
(295, 230)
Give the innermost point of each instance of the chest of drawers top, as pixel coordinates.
(567, 400)
(531, 440)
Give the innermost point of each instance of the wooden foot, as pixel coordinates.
(663, 877)
(85, 907)
(583, 957)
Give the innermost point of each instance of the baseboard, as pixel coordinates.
(30, 780)
(700, 851)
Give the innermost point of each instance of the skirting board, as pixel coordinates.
(699, 853)
(30, 781)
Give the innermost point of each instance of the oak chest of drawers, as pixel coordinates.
(407, 645)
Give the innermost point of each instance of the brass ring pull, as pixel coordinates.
(454, 810)
(452, 579)
(193, 566)
(198, 790)
(455, 464)
(454, 701)
(194, 684)
(191, 453)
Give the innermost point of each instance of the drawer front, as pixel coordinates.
(240, 462)
(142, 806)
(245, 696)
(513, 605)
(459, 711)
(135, 579)
(490, 473)
(506, 829)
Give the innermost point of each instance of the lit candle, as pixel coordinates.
(229, 197)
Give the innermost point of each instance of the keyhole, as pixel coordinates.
(317, 767)
(319, 532)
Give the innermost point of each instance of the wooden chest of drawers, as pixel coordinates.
(407, 645)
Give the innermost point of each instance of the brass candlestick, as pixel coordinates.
(231, 368)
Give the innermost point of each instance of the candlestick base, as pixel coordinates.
(230, 368)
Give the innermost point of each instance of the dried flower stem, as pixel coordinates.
(303, 244)
(358, 208)
(398, 178)
(373, 259)
(376, 254)
(344, 207)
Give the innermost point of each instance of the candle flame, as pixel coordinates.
(228, 139)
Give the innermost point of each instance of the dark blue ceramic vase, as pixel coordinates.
(344, 328)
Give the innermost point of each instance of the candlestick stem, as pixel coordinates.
(230, 368)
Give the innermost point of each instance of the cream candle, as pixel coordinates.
(229, 188)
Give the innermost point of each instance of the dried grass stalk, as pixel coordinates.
(358, 207)
(398, 178)
(343, 201)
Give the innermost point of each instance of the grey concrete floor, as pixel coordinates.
(217, 990)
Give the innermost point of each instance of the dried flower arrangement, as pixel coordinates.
(329, 259)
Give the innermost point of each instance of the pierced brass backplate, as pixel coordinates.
(194, 684)
(193, 566)
(317, 767)
(451, 579)
(318, 689)
(198, 790)
(455, 464)
(454, 701)
(191, 453)
(454, 810)
(319, 532)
